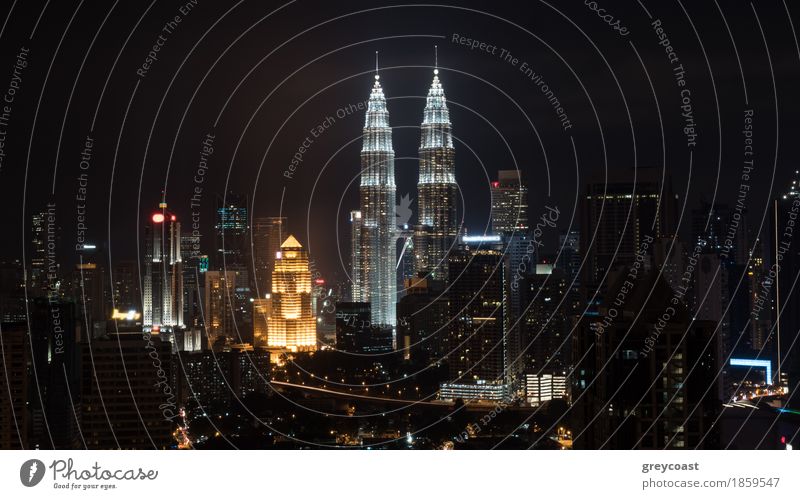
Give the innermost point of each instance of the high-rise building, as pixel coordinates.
(12, 291)
(357, 292)
(267, 236)
(163, 273)
(545, 321)
(232, 231)
(38, 277)
(55, 372)
(377, 255)
(570, 263)
(355, 332)
(785, 258)
(509, 203)
(193, 273)
(218, 308)
(757, 273)
(14, 378)
(617, 215)
(641, 381)
(436, 230)
(88, 290)
(292, 325)
(130, 408)
(125, 292)
(479, 359)
(421, 319)
(211, 382)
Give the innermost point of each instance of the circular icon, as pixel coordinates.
(31, 472)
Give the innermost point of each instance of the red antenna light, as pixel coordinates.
(158, 218)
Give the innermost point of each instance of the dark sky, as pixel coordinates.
(270, 79)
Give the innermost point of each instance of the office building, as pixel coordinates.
(163, 273)
(15, 392)
(130, 407)
(292, 325)
(618, 214)
(509, 203)
(232, 236)
(218, 308)
(641, 381)
(479, 360)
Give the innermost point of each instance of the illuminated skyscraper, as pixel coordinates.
(377, 283)
(479, 354)
(509, 203)
(163, 273)
(231, 228)
(291, 326)
(437, 190)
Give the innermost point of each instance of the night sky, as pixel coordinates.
(259, 76)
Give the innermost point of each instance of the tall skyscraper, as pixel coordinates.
(616, 216)
(292, 326)
(509, 203)
(479, 359)
(436, 228)
(377, 247)
(232, 231)
(218, 308)
(163, 273)
(545, 321)
(267, 236)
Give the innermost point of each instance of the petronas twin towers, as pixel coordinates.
(375, 228)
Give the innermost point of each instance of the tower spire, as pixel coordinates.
(436, 59)
(377, 76)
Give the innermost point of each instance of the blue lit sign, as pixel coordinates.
(766, 364)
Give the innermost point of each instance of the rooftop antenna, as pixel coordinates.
(377, 76)
(436, 59)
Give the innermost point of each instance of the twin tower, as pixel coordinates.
(375, 227)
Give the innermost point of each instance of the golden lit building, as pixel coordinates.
(292, 326)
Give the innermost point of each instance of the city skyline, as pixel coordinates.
(385, 226)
